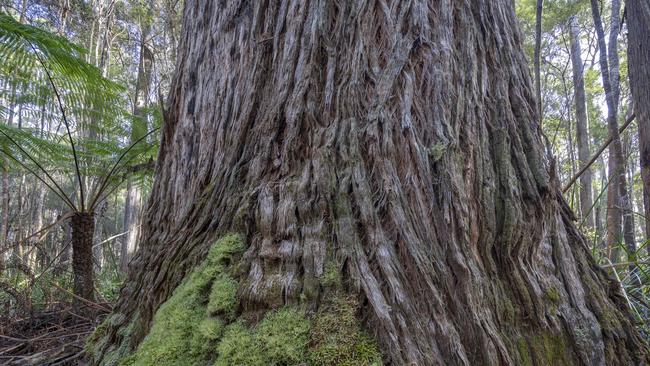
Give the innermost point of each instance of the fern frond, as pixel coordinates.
(29, 53)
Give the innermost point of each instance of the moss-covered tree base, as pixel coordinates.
(202, 324)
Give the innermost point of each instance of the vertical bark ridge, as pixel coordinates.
(395, 141)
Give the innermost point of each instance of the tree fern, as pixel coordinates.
(42, 68)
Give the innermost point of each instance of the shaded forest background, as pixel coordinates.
(81, 128)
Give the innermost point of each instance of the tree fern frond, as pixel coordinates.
(29, 53)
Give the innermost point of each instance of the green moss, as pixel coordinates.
(223, 251)
(116, 354)
(331, 276)
(223, 297)
(507, 309)
(168, 341)
(337, 337)
(437, 150)
(284, 335)
(288, 337)
(239, 347)
(182, 332)
(96, 337)
(310, 288)
(544, 348)
(280, 339)
(553, 295)
(524, 352)
(211, 328)
(97, 340)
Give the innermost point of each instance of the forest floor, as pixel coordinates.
(55, 336)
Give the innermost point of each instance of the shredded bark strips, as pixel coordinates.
(394, 141)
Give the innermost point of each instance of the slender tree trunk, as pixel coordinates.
(582, 124)
(133, 202)
(66, 249)
(64, 10)
(638, 24)
(628, 210)
(132, 207)
(4, 226)
(394, 145)
(601, 207)
(609, 72)
(83, 227)
(537, 56)
(23, 10)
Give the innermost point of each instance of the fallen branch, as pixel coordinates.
(86, 301)
(622, 264)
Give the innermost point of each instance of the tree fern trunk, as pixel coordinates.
(395, 144)
(83, 228)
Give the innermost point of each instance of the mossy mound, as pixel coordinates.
(184, 332)
(333, 336)
(199, 325)
(280, 339)
(337, 337)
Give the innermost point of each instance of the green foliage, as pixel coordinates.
(108, 283)
(42, 68)
(35, 60)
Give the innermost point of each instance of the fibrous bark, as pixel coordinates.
(395, 142)
(638, 24)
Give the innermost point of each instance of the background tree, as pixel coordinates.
(638, 21)
(582, 123)
(139, 128)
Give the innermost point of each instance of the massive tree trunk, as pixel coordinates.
(394, 144)
(638, 24)
(582, 124)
